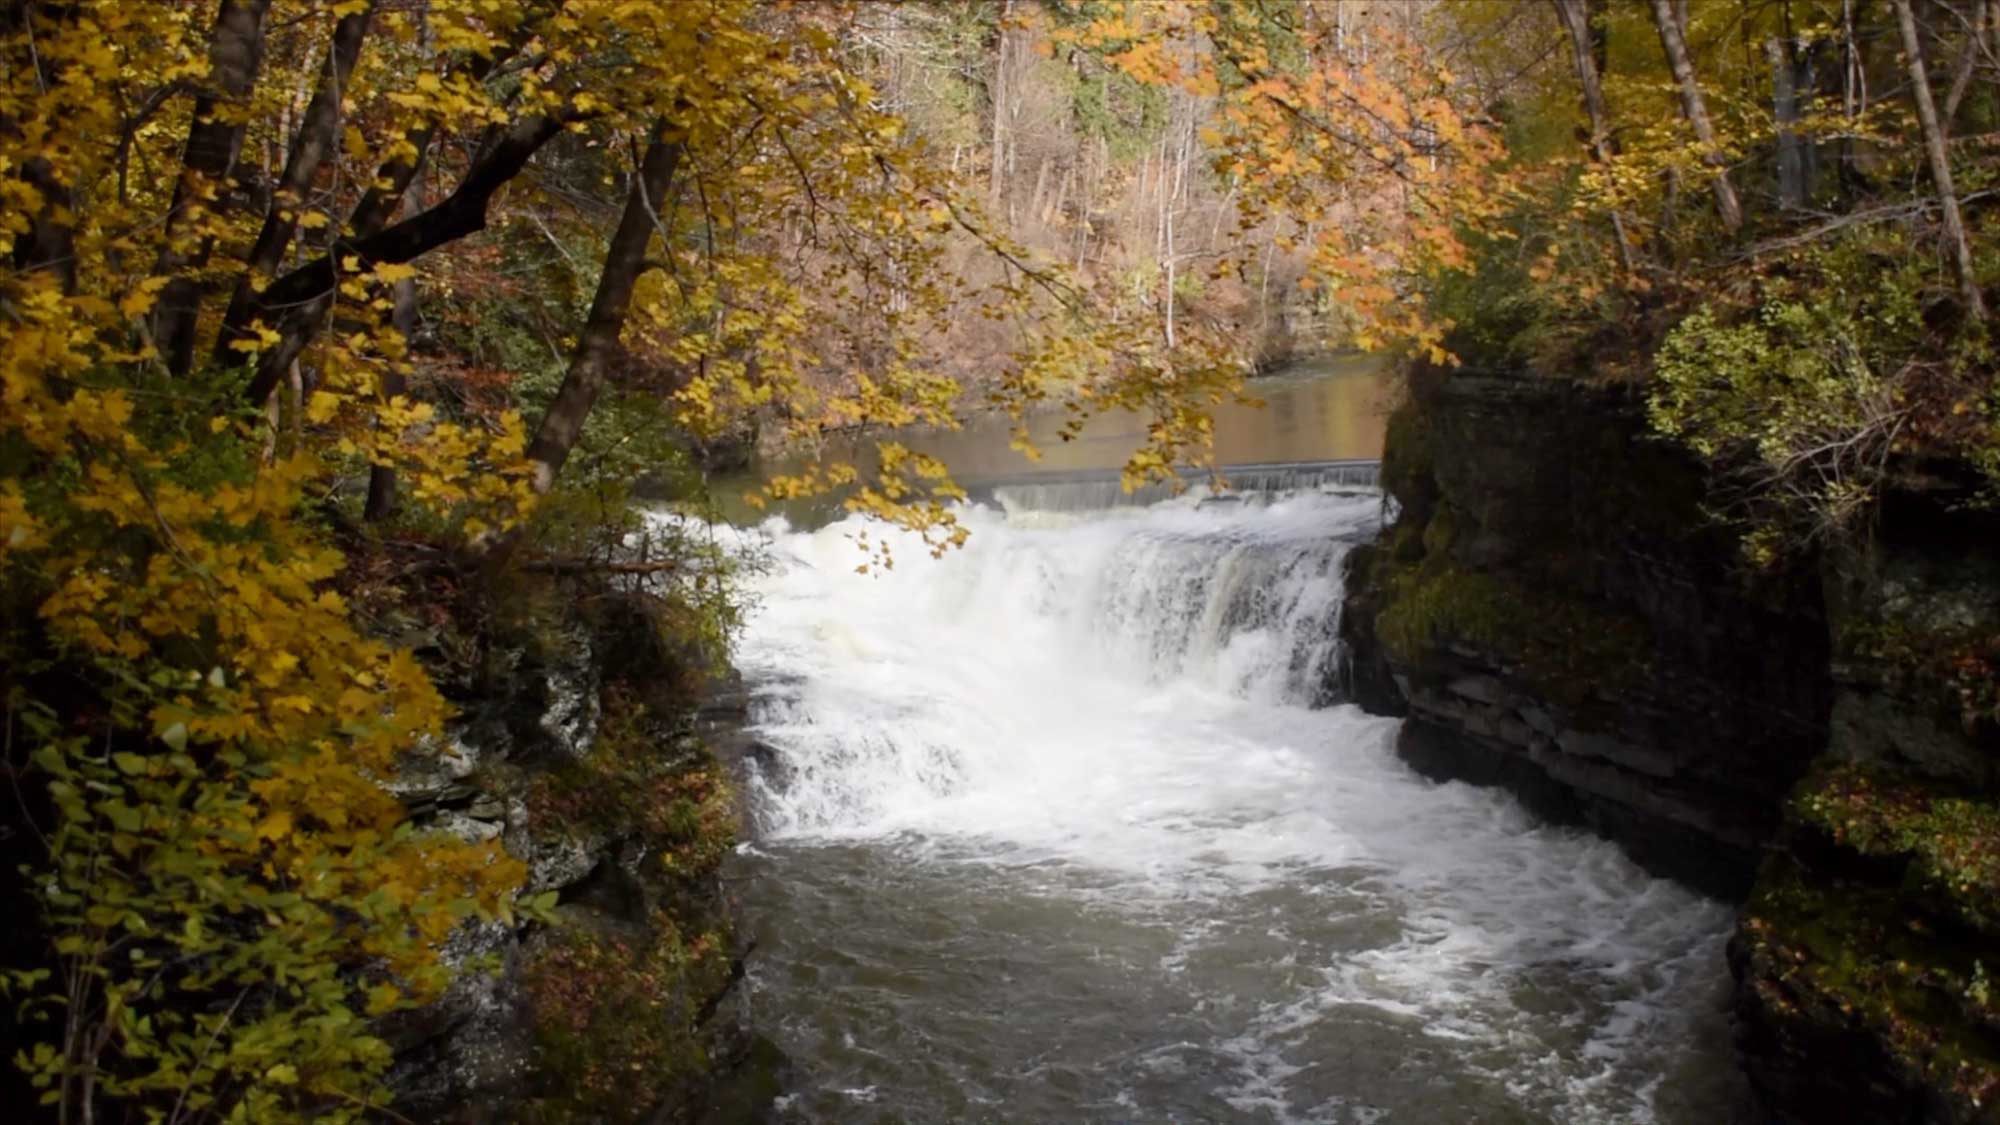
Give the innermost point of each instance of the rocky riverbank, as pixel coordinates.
(584, 743)
(1555, 611)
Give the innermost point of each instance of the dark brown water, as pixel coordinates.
(1325, 409)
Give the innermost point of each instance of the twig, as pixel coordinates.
(1885, 213)
(592, 566)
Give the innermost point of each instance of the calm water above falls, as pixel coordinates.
(1325, 409)
(1052, 835)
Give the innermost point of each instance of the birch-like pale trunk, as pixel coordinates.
(1576, 23)
(1940, 163)
(1695, 108)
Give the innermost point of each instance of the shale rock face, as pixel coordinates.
(584, 746)
(1557, 616)
(1555, 612)
(1864, 957)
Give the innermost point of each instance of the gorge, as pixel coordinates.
(1558, 611)
(1082, 849)
(1079, 820)
(1093, 815)
(587, 563)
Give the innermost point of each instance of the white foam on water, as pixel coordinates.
(1121, 701)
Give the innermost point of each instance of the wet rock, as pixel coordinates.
(1484, 689)
(1702, 736)
(557, 856)
(1365, 675)
(1538, 720)
(469, 1048)
(466, 827)
(433, 771)
(532, 729)
(1621, 660)
(569, 697)
(1650, 761)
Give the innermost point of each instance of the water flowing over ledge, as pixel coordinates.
(1095, 490)
(1057, 828)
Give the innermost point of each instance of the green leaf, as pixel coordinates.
(130, 764)
(123, 816)
(540, 908)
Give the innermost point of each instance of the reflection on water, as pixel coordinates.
(1323, 409)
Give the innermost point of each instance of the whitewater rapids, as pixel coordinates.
(1061, 827)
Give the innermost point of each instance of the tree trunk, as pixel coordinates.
(1264, 293)
(999, 175)
(49, 242)
(1806, 59)
(1576, 22)
(1167, 299)
(1785, 110)
(1695, 108)
(392, 182)
(206, 166)
(318, 131)
(1940, 162)
(403, 317)
(1990, 23)
(1968, 59)
(382, 478)
(1853, 99)
(624, 262)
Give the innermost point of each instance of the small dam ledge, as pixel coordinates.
(1096, 490)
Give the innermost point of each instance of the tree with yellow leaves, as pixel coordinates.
(219, 220)
(197, 725)
(1354, 135)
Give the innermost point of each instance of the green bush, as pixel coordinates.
(1807, 391)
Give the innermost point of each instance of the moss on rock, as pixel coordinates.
(582, 700)
(616, 1014)
(1565, 647)
(1843, 980)
(1948, 842)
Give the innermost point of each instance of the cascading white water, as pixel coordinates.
(1102, 490)
(1050, 830)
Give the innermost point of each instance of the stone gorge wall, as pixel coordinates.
(585, 745)
(1557, 616)
(1864, 954)
(1554, 612)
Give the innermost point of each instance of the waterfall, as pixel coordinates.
(1068, 825)
(930, 678)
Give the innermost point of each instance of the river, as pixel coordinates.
(1324, 409)
(1055, 829)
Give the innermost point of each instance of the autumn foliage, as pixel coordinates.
(261, 347)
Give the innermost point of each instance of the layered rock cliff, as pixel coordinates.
(1557, 615)
(1555, 611)
(584, 745)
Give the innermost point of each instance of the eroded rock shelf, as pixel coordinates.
(1556, 612)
